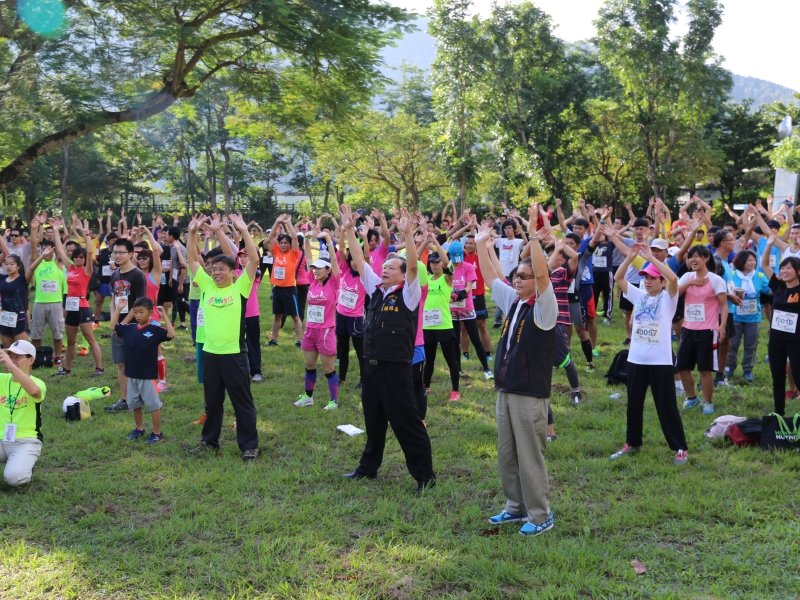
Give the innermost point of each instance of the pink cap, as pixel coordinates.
(651, 270)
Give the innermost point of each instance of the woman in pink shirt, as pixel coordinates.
(252, 318)
(349, 315)
(319, 339)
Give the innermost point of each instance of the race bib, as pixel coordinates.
(8, 319)
(166, 265)
(459, 304)
(600, 261)
(73, 303)
(772, 261)
(571, 289)
(647, 333)
(265, 260)
(432, 318)
(348, 299)
(49, 287)
(506, 255)
(106, 271)
(124, 309)
(784, 321)
(279, 272)
(748, 307)
(201, 318)
(587, 274)
(163, 279)
(695, 313)
(316, 313)
(731, 288)
(10, 433)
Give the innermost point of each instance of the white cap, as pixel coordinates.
(321, 264)
(23, 348)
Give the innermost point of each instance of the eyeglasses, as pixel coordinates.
(14, 235)
(15, 357)
(120, 252)
(524, 276)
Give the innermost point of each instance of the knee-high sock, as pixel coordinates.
(333, 385)
(586, 346)
(572, 375)
(311, 380)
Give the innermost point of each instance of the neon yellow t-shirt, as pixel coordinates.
(224, 313)
(48, 277)
(437, 305)
(26, 410)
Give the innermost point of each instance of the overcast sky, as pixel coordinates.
(749, 38)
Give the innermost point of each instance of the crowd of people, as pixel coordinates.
(398, 291)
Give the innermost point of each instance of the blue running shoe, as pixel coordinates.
(691, 403)
(506, 517)
(708, 408)
(154, 438)
(532, 530)
(135, 434)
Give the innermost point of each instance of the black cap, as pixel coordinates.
(434, 257)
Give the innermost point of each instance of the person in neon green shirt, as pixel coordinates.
(47, 308)
(225, 364)
(20, 414)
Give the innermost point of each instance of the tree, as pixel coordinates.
(141, 57)
(411, 95)
(670, 85)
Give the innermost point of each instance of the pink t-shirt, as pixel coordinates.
(420, 332)
(351, 291)
(702, 306)
(252, 309)
(378, 257)
(463, 274)
(303, 275)
(321, 313)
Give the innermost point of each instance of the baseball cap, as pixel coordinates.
(23, 348)
(456, 252)
(659, 243)
(773, 224)
(304, 227)
(651, 270)
(321, 264)
(434, 257)
(796, 226)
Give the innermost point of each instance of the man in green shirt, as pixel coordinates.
(225, 365)
(47, 308)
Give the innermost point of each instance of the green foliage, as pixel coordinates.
(787, 155)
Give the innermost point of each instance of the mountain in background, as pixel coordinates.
(419, 48)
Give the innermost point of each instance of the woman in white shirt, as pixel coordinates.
(650, 360)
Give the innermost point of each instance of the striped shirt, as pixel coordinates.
(561, 279)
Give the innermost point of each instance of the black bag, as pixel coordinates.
(73, 412)
(44, 357)
(618, 371)
(778, 433)
(94, 281)
(105, 316)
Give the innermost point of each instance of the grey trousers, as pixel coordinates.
(748, 331)
(521, 442)
(19, 456)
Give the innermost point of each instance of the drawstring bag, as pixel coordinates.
(76, 409)
(779, 434)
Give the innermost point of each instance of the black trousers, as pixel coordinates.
(343, 353)
(449, 351)
(779, 351)
(302, 296)
(180, 300)
(603, 285)
(228, 372)
(661, 380)
(252, 327)
(387, 397)
(471, 325)
(419, 389)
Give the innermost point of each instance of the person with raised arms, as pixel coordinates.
(225, 364)
(387, 394)
(523, 374)
(650, 355)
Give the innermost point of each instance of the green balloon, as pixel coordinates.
(44, 17)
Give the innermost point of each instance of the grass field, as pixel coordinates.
(107, 518)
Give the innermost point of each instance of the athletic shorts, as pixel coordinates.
(576, 313)
(697, 348)
(322, 340)
(117, 350)
(21, 327)
(104, 290)
(587, 301)
(480, 307)
(143, 392)
(198, 353)
(164, 295)
(679, 309)
(625, 304)
(47, 313)
(284, 301)
(766, 299)
(352, 326)
(75, 317)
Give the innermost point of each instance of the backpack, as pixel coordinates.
(44, 357)
(618, 371)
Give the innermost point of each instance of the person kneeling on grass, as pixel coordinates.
(650, 357)
(141, 339)
(20, 413)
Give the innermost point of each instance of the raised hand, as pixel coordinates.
(483, 234)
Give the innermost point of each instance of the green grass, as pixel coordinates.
(106, 518)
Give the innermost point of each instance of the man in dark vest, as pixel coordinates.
(523, 370)
(390, 330)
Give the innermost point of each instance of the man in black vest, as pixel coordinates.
(390, 330)
(523, 370)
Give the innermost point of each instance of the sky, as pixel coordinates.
(750, 37)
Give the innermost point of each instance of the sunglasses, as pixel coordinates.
(524, 276)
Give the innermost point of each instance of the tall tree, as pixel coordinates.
(671, 85)
(411, 95)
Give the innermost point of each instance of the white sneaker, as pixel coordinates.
(679, 391)
(487, 374)
(256, 378)
(331, 405)
(305, 400)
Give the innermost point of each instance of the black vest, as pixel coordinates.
(527, 367)
(390, 328)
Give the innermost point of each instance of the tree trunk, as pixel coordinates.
(64, 171)
(327, 194)
(226, 187)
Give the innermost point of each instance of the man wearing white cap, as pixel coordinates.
(20, 413)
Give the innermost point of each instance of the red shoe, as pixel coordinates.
(455, 396)
(57, 361)
(199, 421)
(83, 352)
(95, 325)
(793, 394)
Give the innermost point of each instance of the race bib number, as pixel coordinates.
(731, 288)
(587, 274)
(163, 279)
(647, 333)
(279, 272)
(166, 265)
(571, 289)
(600, 261)
(772, 261)
(348, 299)
(8, 319)
(124, 309)
(748, 307)
(784, 321)
(106, 271)
(201, 318)
(10, 433)
(432, 318)
(459, 304)
(49, 287)
(506, 255)
(73, 303)
(265, 260)
(695, 313)
(316, 313)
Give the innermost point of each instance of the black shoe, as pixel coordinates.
(425, 484)
(465, 355)
(271, 342)
(182, 328)
(251, 454)
(497, 326)
(355, 475)
(298, 344)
